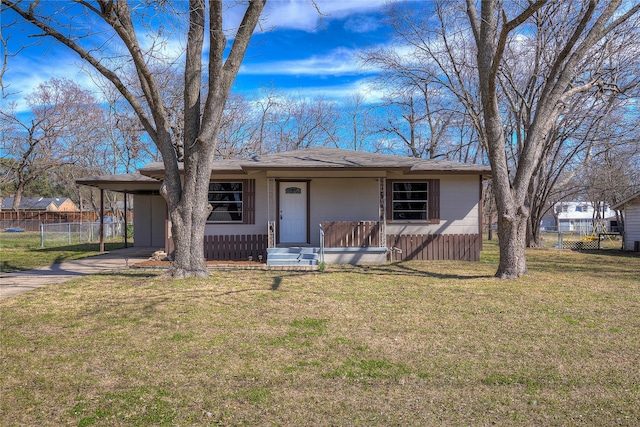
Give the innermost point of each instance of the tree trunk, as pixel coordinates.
(511, 236)
(188, 218)
(187, 228)
(533, 232)
(17, 198)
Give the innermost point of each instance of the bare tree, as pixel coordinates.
(588, 116)
(62, 119)
(357, 122)
(588, 24)
(291, 123)
(239, 130)
(185, 192)
(431, 60)
(304, 123)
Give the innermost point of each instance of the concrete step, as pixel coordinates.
(292, 263)
(294, 250)
(292, 257)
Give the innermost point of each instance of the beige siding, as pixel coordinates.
(357, 199)
(459, 208)
(149, 217)
(631, 224)
(342, 199)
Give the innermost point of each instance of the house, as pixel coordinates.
(42, 204)
(580, 218)
(352, 207)
(631, 215)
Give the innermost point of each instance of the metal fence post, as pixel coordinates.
(41, 235)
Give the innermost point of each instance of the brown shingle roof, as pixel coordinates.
(323, 158)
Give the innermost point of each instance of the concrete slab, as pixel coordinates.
(22, 281)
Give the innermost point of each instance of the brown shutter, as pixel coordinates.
(434, 201)
(249, 201)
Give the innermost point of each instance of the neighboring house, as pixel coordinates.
(631, 212)
(580, 217)
(361, 207)
(42, 204)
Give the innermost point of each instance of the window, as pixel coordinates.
(293, 190)
(416, 201)
(226, 199)
(409, 201)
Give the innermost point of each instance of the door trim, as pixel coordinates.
(308, 181)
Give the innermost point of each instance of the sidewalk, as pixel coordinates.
(22, 281)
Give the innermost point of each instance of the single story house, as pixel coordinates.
(630, 208)
(41, 204)
(349, 206)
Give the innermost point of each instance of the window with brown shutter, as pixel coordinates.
(413, 200)
(232, 201)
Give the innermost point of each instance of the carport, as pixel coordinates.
(150, 211)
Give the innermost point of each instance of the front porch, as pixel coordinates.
(344, 242)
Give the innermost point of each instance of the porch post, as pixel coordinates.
(383, 212)
(101, 232)
(271, 224)
(125, 221)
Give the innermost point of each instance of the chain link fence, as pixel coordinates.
(79, 232)
(581, 241)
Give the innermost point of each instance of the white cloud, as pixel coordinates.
(25, 74)
(339, 93)
(304, 15)
(340, 61)
(362, 24)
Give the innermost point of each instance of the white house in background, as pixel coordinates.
(631, 213)
(360, 207)
(580, 217)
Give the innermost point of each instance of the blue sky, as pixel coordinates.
(299, 52)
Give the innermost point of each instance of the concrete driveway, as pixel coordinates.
(15, 283)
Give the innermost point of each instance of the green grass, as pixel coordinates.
(417, 343)
(23, 251)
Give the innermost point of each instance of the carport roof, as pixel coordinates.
(132, 183)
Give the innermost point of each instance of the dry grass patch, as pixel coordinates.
(433, 343)
(23, 251)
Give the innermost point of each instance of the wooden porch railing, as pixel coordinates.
(235, 247)
(351, 234)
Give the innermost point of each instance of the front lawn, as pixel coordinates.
(23, 251)
(419, 343)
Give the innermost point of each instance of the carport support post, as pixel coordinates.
(125, 220)
(101, 220)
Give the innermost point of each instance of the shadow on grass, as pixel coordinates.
(400, 269)
(82, 247)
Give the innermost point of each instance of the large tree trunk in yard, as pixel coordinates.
(188, 219)
(187, 227)
(184, 189)
(512, 235)
(492, 31)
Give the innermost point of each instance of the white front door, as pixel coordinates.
(293, 212)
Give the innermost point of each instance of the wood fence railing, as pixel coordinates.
(235, 247)
(417, 247)
(351, 234)
(31, 220)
